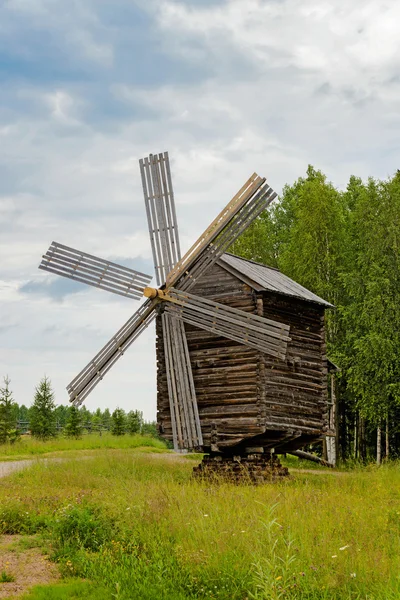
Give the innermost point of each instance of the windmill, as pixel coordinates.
(172, 300)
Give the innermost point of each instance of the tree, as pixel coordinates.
(42, 413)
(134, 421)
(106, 419)
(73, 427)
(97, 420)
(373, 314)
(8, 430)
(150, 428)
(118, 422)
(61, 415)
(86, 417)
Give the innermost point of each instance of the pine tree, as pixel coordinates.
(118, 422)
(42, 413)
(134, 421)
(73, 428)
(8, 430)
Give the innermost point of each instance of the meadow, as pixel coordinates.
(128, 524)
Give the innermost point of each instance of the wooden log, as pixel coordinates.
(311, 457)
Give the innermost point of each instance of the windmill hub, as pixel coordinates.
(150, 292)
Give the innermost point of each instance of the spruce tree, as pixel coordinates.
(118, 422)
(73, 428)
(42, 413)
(106, 419)
(8, 430)
(134, 421)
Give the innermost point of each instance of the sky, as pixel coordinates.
(228, 87)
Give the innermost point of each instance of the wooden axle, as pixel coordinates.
(150, 292)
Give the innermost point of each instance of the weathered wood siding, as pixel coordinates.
(243, 393)
(296, 395)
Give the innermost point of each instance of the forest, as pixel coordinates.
(344, 246)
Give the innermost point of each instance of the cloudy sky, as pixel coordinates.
(228, 87)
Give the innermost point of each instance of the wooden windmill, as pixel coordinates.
(183, 306)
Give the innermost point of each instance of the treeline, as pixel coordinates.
(44, 420)
(345, 247)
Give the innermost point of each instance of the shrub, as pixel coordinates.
(81, 527)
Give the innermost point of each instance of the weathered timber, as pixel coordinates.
(312, 458)
(245, 395)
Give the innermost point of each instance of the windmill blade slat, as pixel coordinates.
(185, 418)
(251, 330)
(213, 230)
(244, 217)
(97, 272)
(94, 371)
(161, 215)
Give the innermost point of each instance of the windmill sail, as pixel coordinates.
(86, 268)
(186, 430)
(93, 373)
(161, 216)
(253, 331)
(164, 237)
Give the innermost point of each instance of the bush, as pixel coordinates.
(81, 527)
(15, 518)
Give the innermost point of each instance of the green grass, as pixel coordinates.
(28, 446)
(6, 577)
(140, 528)
(69, 591)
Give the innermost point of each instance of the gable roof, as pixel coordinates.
(263, 278)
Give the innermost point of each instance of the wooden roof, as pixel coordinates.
(263, 278)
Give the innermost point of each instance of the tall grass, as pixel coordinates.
(141, 527)
(29, 446)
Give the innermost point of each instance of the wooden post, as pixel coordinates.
(387, 449)
(355, 436)
(379, 446)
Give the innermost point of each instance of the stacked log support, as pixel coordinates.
(253, 469)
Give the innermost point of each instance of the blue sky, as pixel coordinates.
(90, 86)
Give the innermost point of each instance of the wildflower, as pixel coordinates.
(334, 555)
(352, 575)
(205, 515)
(344, 547)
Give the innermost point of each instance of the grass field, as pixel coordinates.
(28, 446)
(131, 525)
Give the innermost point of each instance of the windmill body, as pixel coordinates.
(240, 348)
(247, 399)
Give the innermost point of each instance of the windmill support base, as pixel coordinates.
(251, 469)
